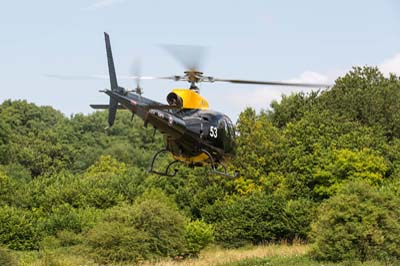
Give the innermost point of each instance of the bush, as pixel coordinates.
(17, 229)
(66, 218)
(62, 217)
(300, 213)
(150, 228)
(252, 219)
(116, 241)
(359, 223)
(164, 225)
(198, 235)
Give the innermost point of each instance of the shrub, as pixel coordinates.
(17, 229)
(150, 228)
(359, 223)
(116, 241)
(164, 225)
(300, 213)
(198, 235)
(253, 219)
(62, 217)
(66, 218)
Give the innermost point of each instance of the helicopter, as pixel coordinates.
(194, 134)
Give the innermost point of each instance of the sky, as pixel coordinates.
(300, 41)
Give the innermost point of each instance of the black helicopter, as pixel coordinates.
(193, 134)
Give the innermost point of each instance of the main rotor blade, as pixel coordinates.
(76, 77)
(274, 83)
(101, 77)
(190, 56)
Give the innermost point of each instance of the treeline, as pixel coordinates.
(321, 167)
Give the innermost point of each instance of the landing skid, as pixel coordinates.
(214, 166)
(166, 172)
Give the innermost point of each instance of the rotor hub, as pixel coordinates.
(193, 76)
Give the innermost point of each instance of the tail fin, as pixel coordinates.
(112, 109)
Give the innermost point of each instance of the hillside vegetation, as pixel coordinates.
(321, 168)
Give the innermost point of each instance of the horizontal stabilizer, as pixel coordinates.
(104, 106)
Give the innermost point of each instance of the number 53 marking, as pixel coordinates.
(213, 132)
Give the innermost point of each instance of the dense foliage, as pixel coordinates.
(68, 182)
(360, 222)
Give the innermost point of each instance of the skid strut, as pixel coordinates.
(165, 173)
(214, 166)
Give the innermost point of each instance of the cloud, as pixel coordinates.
(103, 4)
(311, 77)
(391, 65)
(261, 97)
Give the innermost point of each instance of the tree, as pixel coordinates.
(366, 96)
(259, 152)
(291, 108)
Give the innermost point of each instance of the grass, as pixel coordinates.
(265, 255)
(295, 261)
(219, 256)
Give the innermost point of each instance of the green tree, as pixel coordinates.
(291, 108)
(259, 152)
(366, 96)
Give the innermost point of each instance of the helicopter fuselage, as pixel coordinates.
(191, 135)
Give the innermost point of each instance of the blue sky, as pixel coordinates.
(310, 41)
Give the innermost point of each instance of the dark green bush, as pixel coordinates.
(300, 213)
(253, 219)
(359, 223)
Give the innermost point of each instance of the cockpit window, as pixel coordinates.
(229, 127)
